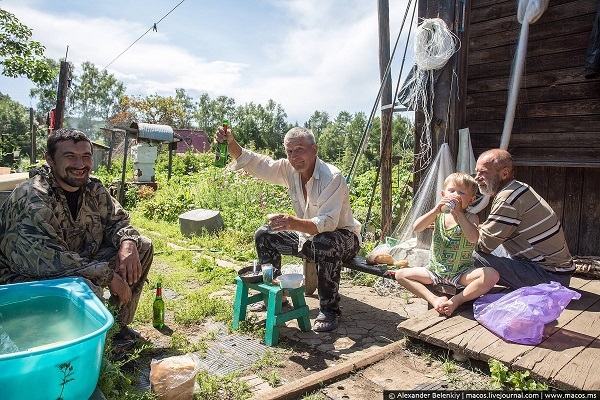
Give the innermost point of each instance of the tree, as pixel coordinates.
(14, 130)
(19, 55)
(45, 92)
(209, 113)
(317, 123)
(95, 96)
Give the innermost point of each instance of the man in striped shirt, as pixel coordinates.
(524, 224)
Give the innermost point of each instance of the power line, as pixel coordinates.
(153, 28)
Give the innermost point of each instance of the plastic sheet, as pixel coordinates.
(520, 316)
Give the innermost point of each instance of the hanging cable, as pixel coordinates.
(364, 139)
(152, 28)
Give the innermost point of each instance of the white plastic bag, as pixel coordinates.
(173, 378)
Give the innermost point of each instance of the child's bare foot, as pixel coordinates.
(448, 307)
(437, 302)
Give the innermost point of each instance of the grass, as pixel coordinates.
(200, 289)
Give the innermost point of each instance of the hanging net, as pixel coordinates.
(434, 45)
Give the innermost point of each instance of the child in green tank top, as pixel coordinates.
(451, 262)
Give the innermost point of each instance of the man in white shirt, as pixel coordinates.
(323, 229)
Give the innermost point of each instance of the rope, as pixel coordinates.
(434, 44)
(365, 137)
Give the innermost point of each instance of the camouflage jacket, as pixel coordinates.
(40, 240)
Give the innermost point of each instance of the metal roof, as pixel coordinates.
(153, 131)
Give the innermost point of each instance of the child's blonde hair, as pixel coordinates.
(464, 180)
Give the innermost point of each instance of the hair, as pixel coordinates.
(463, 180)
(498, 158)
(63, 134)
(299, 132)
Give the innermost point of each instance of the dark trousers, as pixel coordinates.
(329, 251)
(126, 313)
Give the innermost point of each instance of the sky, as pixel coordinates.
(305, 55)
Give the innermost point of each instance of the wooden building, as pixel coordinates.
(555, 137)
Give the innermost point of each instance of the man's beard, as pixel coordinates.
(492, 186)
(76, 181)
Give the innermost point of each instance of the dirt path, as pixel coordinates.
(363, 356)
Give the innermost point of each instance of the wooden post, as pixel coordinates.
(61, 95)
(447, 111)
(387, 110)
(32, 128)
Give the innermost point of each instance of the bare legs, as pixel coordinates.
(477, 282)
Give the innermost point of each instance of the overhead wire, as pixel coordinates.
(365, 137)
(152, 28)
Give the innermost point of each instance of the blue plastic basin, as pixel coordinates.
(52, 336)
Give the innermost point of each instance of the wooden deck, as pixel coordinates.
(567, 358)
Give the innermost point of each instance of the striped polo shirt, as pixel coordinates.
(527, 227)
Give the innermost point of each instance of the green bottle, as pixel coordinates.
(158, 308)
(221, 150)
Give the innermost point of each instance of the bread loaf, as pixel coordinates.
(401, 263)
(381, 258)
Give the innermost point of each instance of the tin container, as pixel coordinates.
(448, 207)
(267, 273)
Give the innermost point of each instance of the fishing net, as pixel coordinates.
(434, 44)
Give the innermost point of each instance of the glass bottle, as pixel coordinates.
(158, 308)
(221, 149)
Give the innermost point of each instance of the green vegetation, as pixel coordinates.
(502, 378)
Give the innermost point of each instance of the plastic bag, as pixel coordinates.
(174, 378)
(520, 316)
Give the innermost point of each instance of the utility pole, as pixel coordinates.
(387, 111)
(61, 95)
(32, 130)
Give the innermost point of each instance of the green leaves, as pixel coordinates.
(19, 55)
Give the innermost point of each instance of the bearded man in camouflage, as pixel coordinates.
(64, 223)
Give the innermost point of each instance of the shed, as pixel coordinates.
(100, 155)
(555, 138)
(195, 140)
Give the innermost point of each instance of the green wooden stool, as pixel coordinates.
(272, 295)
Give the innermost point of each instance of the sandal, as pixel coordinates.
(260, 305)
(127, 334)
(326, 321)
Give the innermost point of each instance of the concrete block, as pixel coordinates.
(193, 222)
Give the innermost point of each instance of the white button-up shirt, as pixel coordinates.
(327, 202)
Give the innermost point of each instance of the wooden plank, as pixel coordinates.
(589, 106)
(589, 224)
(582, 371)
(556, 77)
(414, 326)
(505, 31)
(528, 95)
(573, 339)
(574, 124)
(572, 206)
(482, 344)
(441, 333)
(565, 338)
(486, 10)
(536, 49)
(484, 65)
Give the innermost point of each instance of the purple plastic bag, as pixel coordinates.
(520, 316)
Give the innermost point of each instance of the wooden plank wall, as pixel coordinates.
(556, 133)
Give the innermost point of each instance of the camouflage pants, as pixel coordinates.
(329, 251)
(126, 312)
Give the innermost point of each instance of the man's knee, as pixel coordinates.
(146, 252)
(261, 231)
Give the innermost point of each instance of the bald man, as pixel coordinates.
(524, 224)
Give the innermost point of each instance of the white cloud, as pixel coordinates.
(322, 56)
